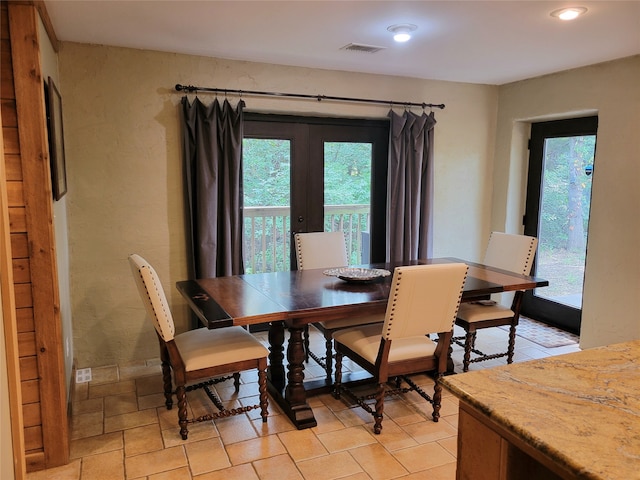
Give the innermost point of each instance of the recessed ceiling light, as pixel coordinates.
(402, 31)
(569, 13)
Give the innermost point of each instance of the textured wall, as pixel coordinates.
(612, 90)
(124, 171)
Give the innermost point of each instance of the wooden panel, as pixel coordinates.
(33, 438)
(30, 391)
(26, 344)
(31, 414)
(24, 319)
(19, 245)
(13, 164)
(17, 219)
(476, 463)
(9, 114)
(14, 194)
(23, 295)
(29, 368)
(21, 270)
(6, 77)
(34, 150)
(35, 461)
(11, 141)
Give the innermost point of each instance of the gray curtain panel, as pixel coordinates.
(410, 187)
(212, 148)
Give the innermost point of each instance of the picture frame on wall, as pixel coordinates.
(56, 141)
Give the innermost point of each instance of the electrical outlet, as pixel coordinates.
(83, 375)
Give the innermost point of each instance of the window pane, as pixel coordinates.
(266, 179)
(347, 195)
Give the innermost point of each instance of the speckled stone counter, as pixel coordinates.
(568, 416)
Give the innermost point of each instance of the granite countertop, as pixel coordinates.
(581, 409)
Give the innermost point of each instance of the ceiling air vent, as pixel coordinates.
(360, 47)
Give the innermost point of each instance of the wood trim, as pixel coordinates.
(34, 152)
(10, 326)
(46, 20)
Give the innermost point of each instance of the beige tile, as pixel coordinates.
(357, 476)
(302, 444)
(90, 405)
(346, 438)
(142, 440)
(235, 429)
(118, 388)
(149, 385)
(239, 472)
(119, 404)
(182, 473)
(87, 425)
(429, 431)
(376, 461)
(206, 456)
(274, 424)
(151, 401)
(443, 472)
(197, 431)
(130, 420)
(450, 445)
(80, 392)
(106, 374)
(255, 449)
(155, 462)
(336, 465)
(71, 471)
(281, 467)
(98, 444)
(139, 369)
(393, 437)
(327, 421)
(107, 466)
(423, 457)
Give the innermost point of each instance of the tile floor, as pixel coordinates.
(120, 429)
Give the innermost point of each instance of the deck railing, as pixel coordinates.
(267, 237)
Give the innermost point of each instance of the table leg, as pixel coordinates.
(291, 397)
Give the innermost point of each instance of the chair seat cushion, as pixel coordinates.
(347, 322)
(203, 348)
(475, 312)
(365, 341)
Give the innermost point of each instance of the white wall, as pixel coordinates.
(612, 91)
(125, 181)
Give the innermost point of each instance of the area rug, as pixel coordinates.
(542, 334)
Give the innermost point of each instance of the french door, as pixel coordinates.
(303, 174)
(561, 168)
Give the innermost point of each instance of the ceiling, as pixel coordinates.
(464, 41)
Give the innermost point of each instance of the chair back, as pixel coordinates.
(511, 252)
(153, 297)
(321, 250)
(424, 299)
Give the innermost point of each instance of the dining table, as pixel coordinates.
(290, 300)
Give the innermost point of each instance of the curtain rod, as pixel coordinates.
(319, 98)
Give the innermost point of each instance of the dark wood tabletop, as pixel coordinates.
(295, 298)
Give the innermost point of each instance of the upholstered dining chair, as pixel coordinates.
(199, 354)
(423, 300)
(505, 251)
(326, 250)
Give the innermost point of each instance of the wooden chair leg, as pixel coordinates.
(437, 398)
(166, 376)
(181, 394)
(328, 361)
(338, 380)
(378, 415)
(236, 381)
(262, 388)
(468, 345)
(512, 342)
(306, 343)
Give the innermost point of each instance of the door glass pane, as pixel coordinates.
(347, 195)
(266, 178)
(564, 217)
